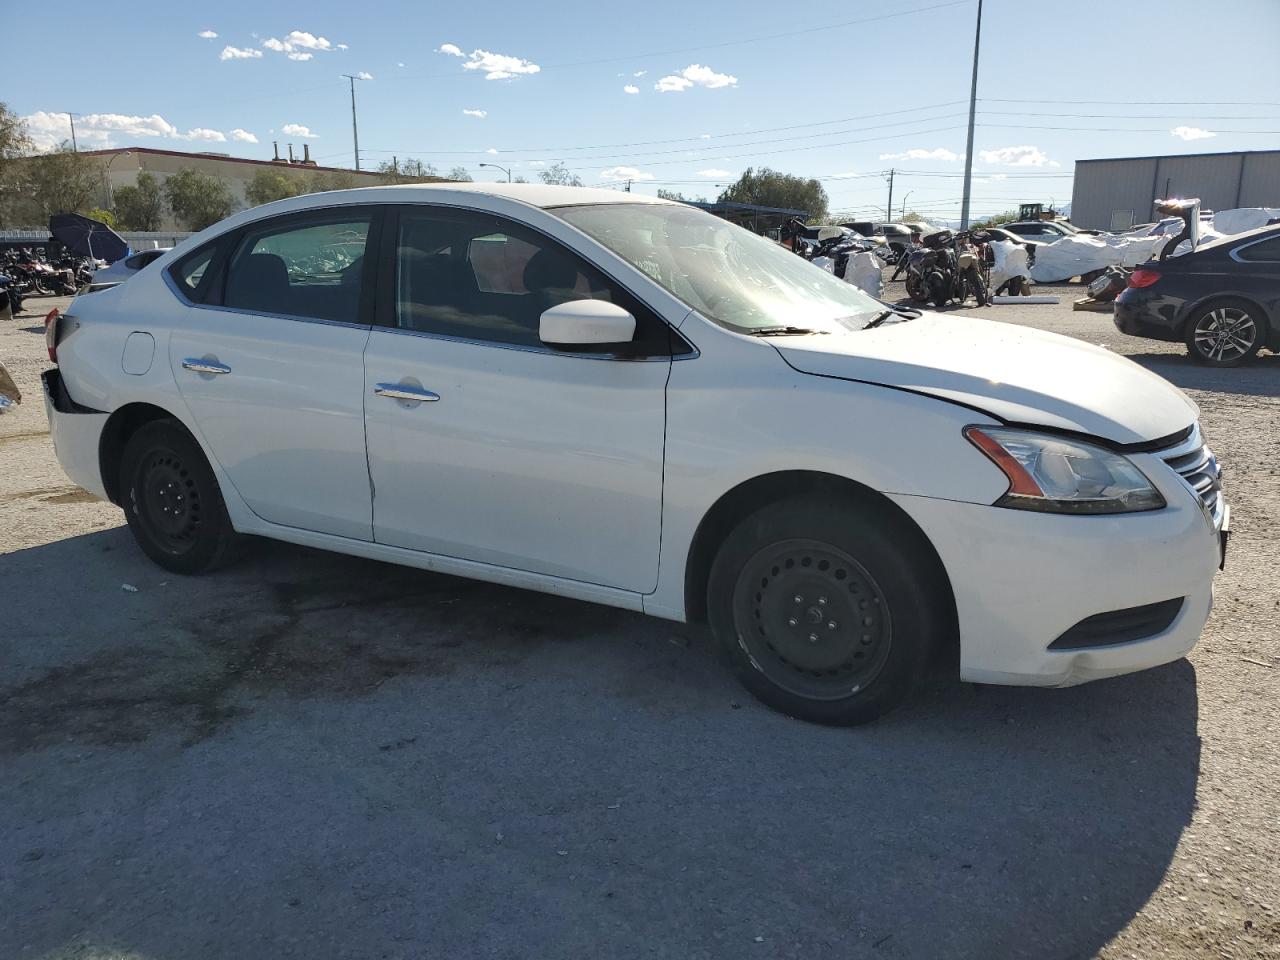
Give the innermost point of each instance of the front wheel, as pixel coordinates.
(825, 611)
(1225, 333)
(979, 288)
(172, 501)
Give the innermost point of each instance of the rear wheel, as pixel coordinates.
(172, 501)
(1225, 333)
(824, 611)
(978, 287)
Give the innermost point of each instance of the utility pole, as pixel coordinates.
(904, 204)
(355, 133)
(74, 147)
(888, 210)
(973, 106)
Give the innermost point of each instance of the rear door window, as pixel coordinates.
(1265, 251)
(311, 268)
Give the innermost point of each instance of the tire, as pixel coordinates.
(172, 501)
(935, 285)
(1225, 333)
(916, 290)
(823, 568)
(979, 288)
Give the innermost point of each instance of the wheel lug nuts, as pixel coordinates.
(791, 622)
(813, 638)
(831, 624)
(798, 599)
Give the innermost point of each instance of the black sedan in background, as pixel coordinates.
(1222, 300)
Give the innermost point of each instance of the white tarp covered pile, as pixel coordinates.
(1080, 254)
(1228, 222)
(1010, 262)
(864, 272)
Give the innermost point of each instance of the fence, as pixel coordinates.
(137, 239)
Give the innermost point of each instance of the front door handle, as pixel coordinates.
(402, 391)
(205, 366)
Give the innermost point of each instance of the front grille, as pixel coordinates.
(1119, 626)
(1192, 460)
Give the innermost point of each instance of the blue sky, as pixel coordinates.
(847, 94)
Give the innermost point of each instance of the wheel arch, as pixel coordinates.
(1195, 308)
(120, 426)
(749, 496)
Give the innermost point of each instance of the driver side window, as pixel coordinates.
(476, 276)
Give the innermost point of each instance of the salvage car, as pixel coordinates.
(1222, 299)
(629, 401)
(122, 270)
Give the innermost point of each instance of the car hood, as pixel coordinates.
(1016, 374)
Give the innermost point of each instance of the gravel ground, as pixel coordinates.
(317, 756)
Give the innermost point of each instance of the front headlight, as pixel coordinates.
(1056, 475)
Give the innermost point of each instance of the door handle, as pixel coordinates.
(402, 391)
(205, 366)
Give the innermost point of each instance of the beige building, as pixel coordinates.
(121, 167)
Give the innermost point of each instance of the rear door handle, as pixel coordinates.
(205, 366)
(401, 391)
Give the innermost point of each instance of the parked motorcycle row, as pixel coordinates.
(27, 273)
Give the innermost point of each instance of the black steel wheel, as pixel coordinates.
(172, 501)
(1225, 333)
(813, 618)
(828, 611)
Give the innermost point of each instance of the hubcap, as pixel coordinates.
(812, 619)
(1226, 333)
(167, 501)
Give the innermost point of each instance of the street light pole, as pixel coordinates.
(973, 106)
(497, 167)
(904, 205)
(355, 133)
(111, 197)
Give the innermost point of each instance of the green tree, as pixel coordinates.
(559, 175)
(677, 195)
(769, 188)
(460, 174)
(410, 171)
(996, 219)
(102, 216)
(198, 199)
(14, 144)
(519, 179)
(140, 207)
(269, 185)
(327, 180)
(61, 181)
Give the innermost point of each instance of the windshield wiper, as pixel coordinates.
(782, 331)
(884, 315)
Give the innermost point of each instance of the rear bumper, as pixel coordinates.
(76, 432)
(1021, 580)
(1141, 313)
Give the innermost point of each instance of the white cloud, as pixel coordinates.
(640, 73)
(364, 75)
(399, 64)
(1192, 133)
(343, 46)
(452, 49)
(207, 35)
(537, 163)
(704, 136)
(297, 43)
(713, 172)
(239, 53)
(630, 88)
(919, 153)
(495, 66)
(693, 74)
(48, 130)
(300, 38)
(1020, 156)
(297, 130)
(492, 151)
(480, 114)
(615, 174)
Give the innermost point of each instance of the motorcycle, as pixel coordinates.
(951, 267)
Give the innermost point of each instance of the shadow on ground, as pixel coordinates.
(1258, 378)
(315, 755)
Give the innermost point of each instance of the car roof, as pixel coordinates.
(535, 194)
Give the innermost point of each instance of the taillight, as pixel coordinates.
(51, 333)
(1143, 278)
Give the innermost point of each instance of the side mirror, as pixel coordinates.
(586, 323)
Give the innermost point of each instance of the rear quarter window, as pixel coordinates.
(193, 273)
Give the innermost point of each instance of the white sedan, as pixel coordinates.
(629, 401)
(122, 270)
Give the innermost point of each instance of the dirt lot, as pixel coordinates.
(315, 756)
